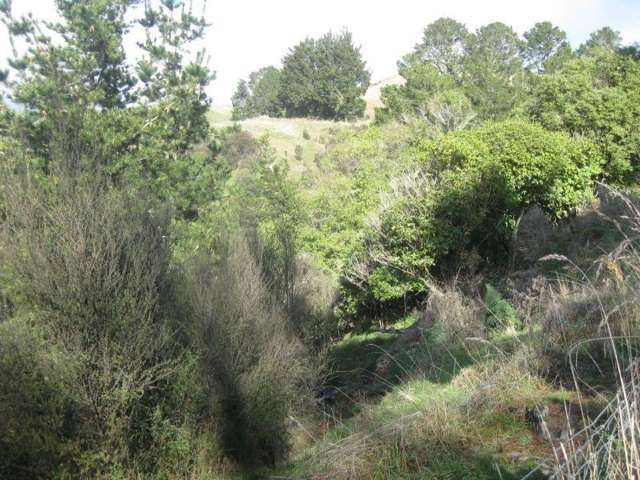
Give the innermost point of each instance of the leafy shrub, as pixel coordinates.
(234, 145)
(356, 169)
(306, 135)
(38, 409)
(466, 195)
(500, 313)
(596, 96)
(551, 170)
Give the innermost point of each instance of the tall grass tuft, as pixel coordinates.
(605, 308)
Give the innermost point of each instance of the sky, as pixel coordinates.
(246, 35)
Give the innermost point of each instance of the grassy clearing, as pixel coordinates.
(286, 134)
(451, 411)
(466, 401)
(425, 429)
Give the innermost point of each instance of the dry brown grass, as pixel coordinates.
(602, 313)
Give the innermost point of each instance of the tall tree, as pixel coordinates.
(544, 44)
(443, 44)
(606, 37)
(259, 96)
(324, 78)
(86, 107)
(240, 101)
(265, 91)
(61, 84)
(493, 70)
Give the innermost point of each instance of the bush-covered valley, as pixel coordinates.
(446, 290)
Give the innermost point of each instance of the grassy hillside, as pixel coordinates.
(312, 135)
(286, 134)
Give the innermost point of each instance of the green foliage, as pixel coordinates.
(604, 38)
(550, 170)
(544, 47)
(463, 199)
(453, 74)
(433, 80)
(240, 101)
(442, 46)
(88, 109)
(359, 166)
(596, 96)
(233, 147)
(37, 406)
(500, 313)
(265, 90)
(90, 265)
(131, 351)
(324, 78)
(259, 96)
(429, 95)
(493, 73)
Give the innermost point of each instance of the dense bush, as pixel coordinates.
(596, 96)
(38, 405)
(233, 146)
(168, 292)
(465, 197)
(499, 312)
(90, 264)
(358, 166)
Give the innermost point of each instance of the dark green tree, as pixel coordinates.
(86, 107)
(443, 44)
(240, 101)
(62, 84)
(493, 70)
(260, 95)
(324, 78)
(544, 46)
(606, 37)
(265, 91)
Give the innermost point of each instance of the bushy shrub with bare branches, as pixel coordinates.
(255, 370)
(460, 315)
(314, 297)
(89, 262)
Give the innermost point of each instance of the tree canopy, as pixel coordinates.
(324, 78)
